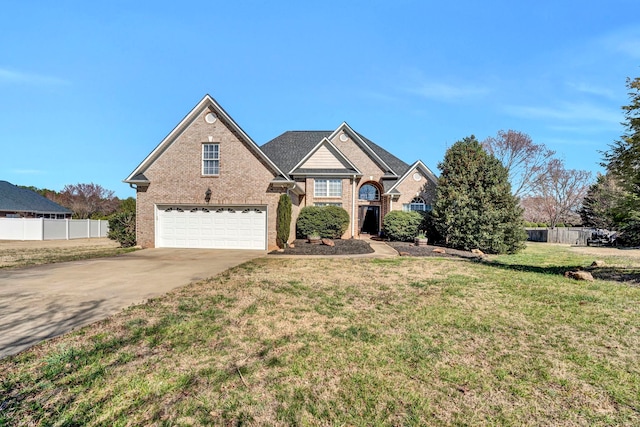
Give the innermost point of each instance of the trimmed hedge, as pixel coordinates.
(328, 221)
(402, 226)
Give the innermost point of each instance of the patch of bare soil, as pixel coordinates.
(423, 251)
(342, 247)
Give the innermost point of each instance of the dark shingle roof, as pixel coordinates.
(288, 149)
(16, 199)
(398, 166)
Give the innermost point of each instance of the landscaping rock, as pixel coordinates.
(439, 251)
(598, 263)
(292, 245)
(404, 253)
(328, 242)
(477, 252)
(579, 275)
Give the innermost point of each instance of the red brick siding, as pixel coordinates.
(176, 177)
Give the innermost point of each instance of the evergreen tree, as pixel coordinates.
(623, 159)
(604, 204)
(474, 207)
(283, 225)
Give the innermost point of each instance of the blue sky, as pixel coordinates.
(88, 89)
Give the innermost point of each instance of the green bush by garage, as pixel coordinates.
(326, 221)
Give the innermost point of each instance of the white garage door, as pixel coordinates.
(224, 227)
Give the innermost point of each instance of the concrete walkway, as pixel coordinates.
(42, 302)
(380, 248)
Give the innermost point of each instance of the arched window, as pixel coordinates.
(417, 204)
(369, 192)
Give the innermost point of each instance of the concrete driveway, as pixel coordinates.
(42, 302)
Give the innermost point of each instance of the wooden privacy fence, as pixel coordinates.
(568, 235)
(51, 229)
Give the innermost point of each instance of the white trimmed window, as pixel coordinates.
(369, 192)
(323, 204)
(417, 204)
(210, 159)
(327, 188)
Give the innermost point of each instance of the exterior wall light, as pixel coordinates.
(207, 195)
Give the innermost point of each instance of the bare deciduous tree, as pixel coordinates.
(533, 209)
(87, 200)
(523, 159)
(560, 191)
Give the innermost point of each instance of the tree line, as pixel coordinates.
(488, 189)
(88, 201)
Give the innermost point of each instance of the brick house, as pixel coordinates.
(209, 185)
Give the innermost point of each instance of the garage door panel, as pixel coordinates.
(219, 228)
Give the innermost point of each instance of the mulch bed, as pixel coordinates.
(342, 247)
(420, 251)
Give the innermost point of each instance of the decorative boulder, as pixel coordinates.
(579, 275)
(439, 251)
(477, 252)
(328, 242)
(404, 253)
(598, 263)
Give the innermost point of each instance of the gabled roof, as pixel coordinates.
(292, 147)
(397, 165)
(138, 177)
(419, 165)
(288, 149)
(348, 167)
(16, 199)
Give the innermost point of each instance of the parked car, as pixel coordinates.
(601, 237)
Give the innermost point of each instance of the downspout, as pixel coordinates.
(353, 206)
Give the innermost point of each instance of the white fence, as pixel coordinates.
(51, 229)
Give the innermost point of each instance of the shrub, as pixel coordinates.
(283, 220)
(402, 226)
(122, 228)
(474, 207)
(428, 226)
(630, 231)
(328, 221)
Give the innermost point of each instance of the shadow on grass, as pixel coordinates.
(627, 275)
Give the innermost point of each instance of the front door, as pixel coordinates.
(370, 219)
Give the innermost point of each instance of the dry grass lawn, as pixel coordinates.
(404, 341)
(27, 253)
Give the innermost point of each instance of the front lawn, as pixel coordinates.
(402, 341)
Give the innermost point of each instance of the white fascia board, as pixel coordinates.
(324, 140)
(206, 101)
(417, 165)
(328, 174)
(346, 128)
